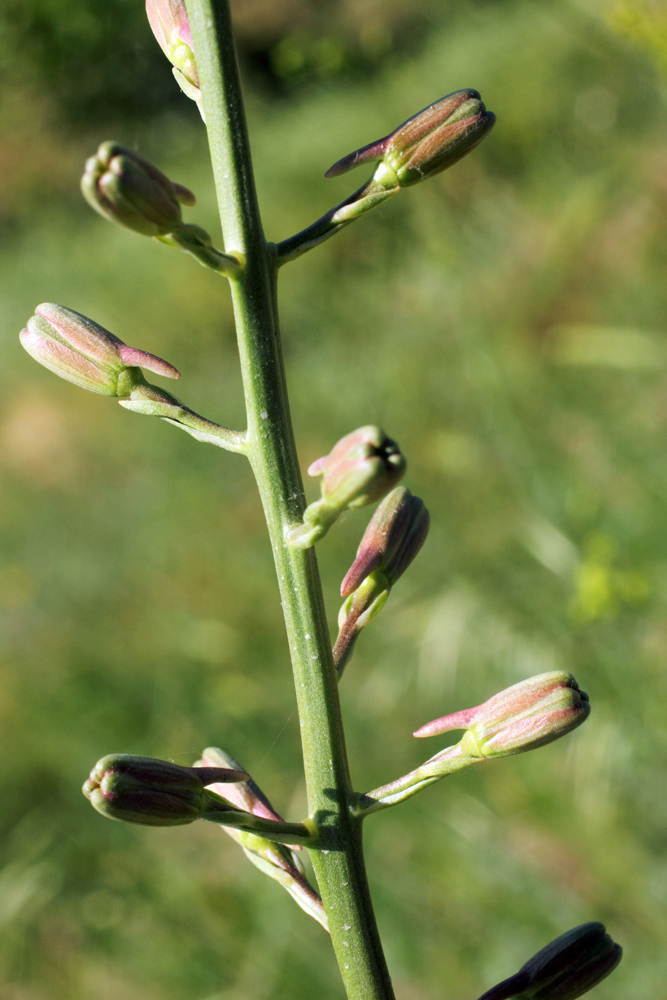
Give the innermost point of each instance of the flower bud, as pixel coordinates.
(524, 716)
(275, 860)
(130, 190)
(567, 968)
(169, 23)
(425, 144)
(394, 536)
(154, 792)
(78, 350)
(361, 468)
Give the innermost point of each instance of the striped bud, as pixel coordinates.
(524, 716)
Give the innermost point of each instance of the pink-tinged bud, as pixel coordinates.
(425, 144)
(275, 860)
(361, 468)
(154, 792)
(394, 536)
(567, 968)
(524, 716)
(130, 190)
(76, 349)
(169, 23)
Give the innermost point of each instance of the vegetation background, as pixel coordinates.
(506, 322)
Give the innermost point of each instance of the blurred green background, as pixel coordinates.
(506, 322)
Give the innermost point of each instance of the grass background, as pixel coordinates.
(506, 323)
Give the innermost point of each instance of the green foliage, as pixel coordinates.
(506, 323)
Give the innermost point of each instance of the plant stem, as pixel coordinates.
(338, 858)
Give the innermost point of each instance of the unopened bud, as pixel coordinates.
(79, 350)
(126, 188)
(524, 716)
(359, 469)
(567, 968)
(154, 792)
(394, 536)
(277, 861)
(169, 23)
(425, 144)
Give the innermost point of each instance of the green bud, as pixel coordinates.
(126, 188)
(425, 144)
(524, 716)
(154, 792)
(360, 469)
(567, 968)
(79, 350)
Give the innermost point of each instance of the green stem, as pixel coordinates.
(337, 218)
(280, 833)
(338, 858)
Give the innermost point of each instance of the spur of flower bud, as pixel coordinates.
(524, 716)
(169, 23)
(275, 860)
(78, 350)
(394, 536)
(361, 468)
(126, 188)
(567, 968)
(425, 144)
(155, 792)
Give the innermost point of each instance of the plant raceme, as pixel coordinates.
(364, 467)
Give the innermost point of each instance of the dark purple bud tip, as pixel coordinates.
(565, 969)
(153, 792)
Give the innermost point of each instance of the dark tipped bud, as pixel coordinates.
(126, 188)
(425, 144)
(359, 469)
(79, 350)
(154, 792)
(524, 716)
(567, 968)
(394, 536)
